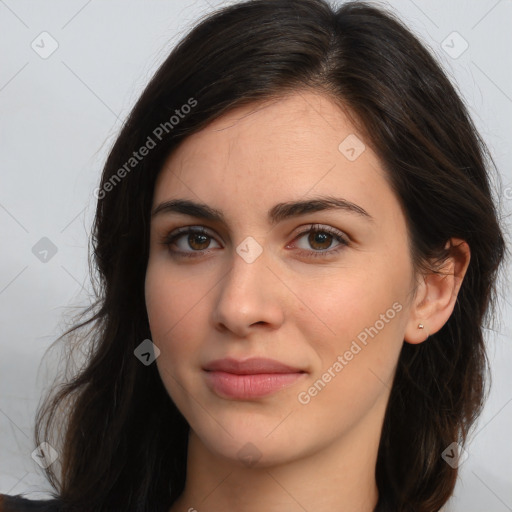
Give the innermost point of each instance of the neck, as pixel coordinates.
(340, 476)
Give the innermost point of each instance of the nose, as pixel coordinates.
(250, 297)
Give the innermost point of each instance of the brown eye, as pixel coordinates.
(198, 241)
(189, 241)
(319, 241)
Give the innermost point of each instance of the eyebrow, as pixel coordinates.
(277, 213)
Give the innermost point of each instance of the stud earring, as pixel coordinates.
(420, 326)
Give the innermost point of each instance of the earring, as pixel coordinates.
(420, 326)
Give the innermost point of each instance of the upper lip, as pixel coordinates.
(251, 366)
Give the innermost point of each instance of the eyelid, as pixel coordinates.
(171, 237)
(324, 229)
(193, 228)
(342, 239)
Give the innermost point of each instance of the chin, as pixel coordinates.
(253, 440)
(248, 452)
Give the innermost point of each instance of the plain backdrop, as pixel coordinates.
(59, 114)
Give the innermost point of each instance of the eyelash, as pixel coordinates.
(315, 228)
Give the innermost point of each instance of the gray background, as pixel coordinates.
(59, 117)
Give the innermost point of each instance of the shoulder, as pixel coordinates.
(20, 504)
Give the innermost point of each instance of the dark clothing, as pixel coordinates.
(19, 504)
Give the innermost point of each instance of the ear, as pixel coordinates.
(437, 293)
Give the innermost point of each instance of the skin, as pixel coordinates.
(287, 305)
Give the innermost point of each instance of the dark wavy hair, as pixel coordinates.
(112, 417)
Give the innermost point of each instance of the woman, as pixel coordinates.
(297, 247)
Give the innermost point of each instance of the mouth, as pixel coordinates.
(249, 379)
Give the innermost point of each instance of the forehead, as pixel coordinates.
(283, 149)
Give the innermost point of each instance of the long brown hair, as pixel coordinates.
(115, 417)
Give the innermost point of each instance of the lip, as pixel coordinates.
(252, 366)
(250, 378)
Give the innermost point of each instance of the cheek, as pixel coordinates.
(173, 306)
(361, 313)
(357, 362)
(160, 302)
(170, 298)
(349, 300)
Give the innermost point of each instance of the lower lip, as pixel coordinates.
(230, 385)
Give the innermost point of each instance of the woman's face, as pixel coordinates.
(330, 306)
